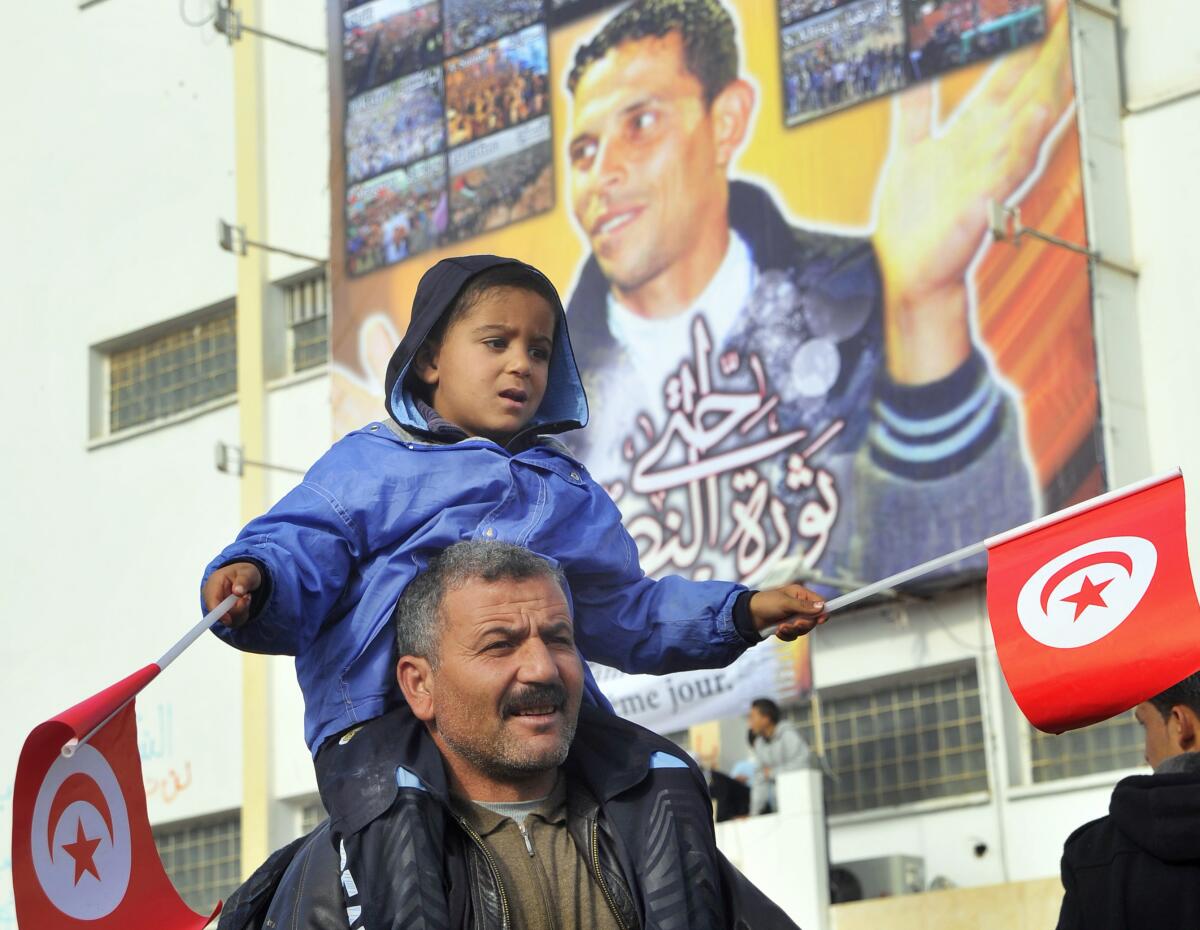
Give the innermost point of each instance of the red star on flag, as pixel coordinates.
(1088, 595)
(83, 851)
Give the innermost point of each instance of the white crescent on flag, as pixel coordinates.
(80, 837)
(1086, 592)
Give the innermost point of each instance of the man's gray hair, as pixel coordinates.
(419, 610)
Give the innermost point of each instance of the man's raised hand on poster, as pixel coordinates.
(934, 192)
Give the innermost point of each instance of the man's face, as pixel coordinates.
(489, 374)
(758, 721)
(508, 683)
(1160, 745)
(645, 169)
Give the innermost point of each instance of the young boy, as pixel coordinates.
(484, 373)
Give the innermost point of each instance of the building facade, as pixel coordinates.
(120, 462)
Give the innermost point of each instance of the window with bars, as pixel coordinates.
(1117, 743)
(173, 370)
(311, 814)
(202, 858)
(306, 299)
(899, 743)
(804, 719)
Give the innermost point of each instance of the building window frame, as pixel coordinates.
(101, 361)
(821, 722)
(1083, 752)
(202, 882)
(307, 304)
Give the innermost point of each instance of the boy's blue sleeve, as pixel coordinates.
(307, 545)
(637, 624)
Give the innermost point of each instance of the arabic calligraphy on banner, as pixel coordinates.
(713, 430)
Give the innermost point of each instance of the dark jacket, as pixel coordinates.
(1139, 867)
(642, 819)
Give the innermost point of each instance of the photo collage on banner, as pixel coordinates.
(805, 356)
(839, 52)
(446, 125)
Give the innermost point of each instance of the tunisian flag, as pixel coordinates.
(1093, 610)
(83, 857)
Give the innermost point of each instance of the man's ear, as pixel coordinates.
(425, 364)
(415, 677)
(732, 110)
(1185, 728)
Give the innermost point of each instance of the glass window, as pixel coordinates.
(173, 371)
(307, 301)
(311, 814)
(1114, 744)
(903, 743)
(202, 859)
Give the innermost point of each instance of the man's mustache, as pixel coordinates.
(535, 696)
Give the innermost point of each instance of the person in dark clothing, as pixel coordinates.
(524, 807)
(1139, 867)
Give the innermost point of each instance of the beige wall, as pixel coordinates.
(1015, 906)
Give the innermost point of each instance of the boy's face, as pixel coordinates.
(488, 376)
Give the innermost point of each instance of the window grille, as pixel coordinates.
(803, 717)
(311, 814)
(174, 371)
(202, 859)
(1117, 743)
(903, 743)
(307, 302)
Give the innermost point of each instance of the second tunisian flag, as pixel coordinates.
(83, 856)
(1093, 610)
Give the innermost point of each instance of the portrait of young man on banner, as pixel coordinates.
(762, 389)
(802, 350)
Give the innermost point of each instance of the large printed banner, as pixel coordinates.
(804, 354)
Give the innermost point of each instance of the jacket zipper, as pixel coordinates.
(612, 906)
(543, 883)
(470, 831)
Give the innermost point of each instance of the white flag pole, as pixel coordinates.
(891, 581)
(197, 631)
(71, 745)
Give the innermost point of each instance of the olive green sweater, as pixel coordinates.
(547, 879)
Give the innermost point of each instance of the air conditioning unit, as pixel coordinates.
(883, 877)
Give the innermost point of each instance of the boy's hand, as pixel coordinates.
(793, 608)
(240, 578)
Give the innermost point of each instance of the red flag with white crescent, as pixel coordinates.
(83, 856)
(1095, 613)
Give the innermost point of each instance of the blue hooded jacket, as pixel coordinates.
(339, 549)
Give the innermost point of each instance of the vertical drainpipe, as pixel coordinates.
(249, 146)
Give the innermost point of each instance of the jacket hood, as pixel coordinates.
(1160, 812)
(565, 405)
